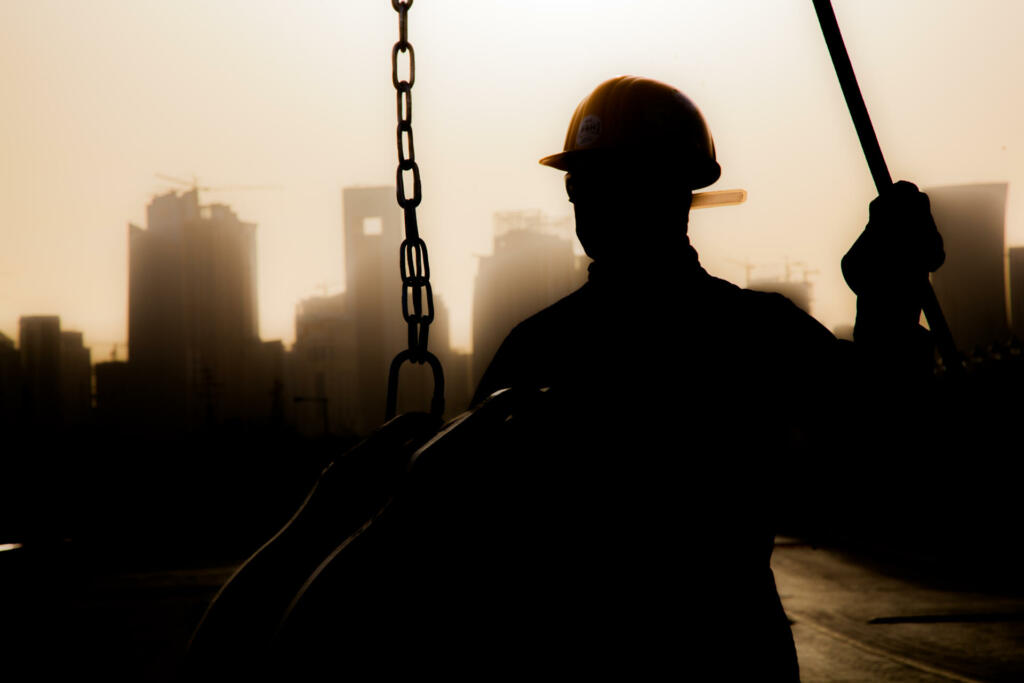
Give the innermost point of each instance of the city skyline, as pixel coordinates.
(196, 361)
(288, 97)
(953, 207)
(201, 314)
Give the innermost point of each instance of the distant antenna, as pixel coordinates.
(114, 345)
(790, 265)
(748, 268)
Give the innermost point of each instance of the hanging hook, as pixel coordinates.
(436, 401)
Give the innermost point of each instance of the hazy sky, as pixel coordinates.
(100, 95)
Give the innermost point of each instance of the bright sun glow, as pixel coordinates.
(298, 95)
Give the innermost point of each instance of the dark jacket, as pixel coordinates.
(683, 403)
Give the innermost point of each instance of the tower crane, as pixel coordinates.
(195, 186)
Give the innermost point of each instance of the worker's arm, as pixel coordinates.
(887, 267)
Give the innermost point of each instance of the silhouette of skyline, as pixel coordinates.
(344, 343)
(118, 476)
(971, 284)
(103, 124)
(195, 357)
(1015, 273)
(54, 374)
(532, 266)
(193, 327)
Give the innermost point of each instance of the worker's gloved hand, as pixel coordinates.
(887, 267)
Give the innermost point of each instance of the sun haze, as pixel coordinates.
(296, 98)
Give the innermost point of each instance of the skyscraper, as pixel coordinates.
(322, 374)
(40, 345)
(373, 234)
(1015, 263)
(192, 311)
(75, 378)
(12, 399)
(531, 267)
(344, 343)
(970, 285)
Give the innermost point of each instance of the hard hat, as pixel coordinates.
(646, 120)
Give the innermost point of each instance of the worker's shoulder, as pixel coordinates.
(771, 310)
(563, 314)
(724, 292)
(782, 318)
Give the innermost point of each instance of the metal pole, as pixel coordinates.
(877, 166)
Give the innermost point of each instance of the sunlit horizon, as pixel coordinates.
(101, 98)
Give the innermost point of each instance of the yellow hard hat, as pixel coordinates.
(646, 120)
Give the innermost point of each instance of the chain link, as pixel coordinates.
(414, 264)
(395, 51)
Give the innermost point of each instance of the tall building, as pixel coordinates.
(373, 287)
(264, 386)
(344, 343)
(114, 393)
(40, 345)
(192, 311)
(323, 368)
(75, 378)
(458, 386)
(12, 398)
(970, 286)
(54, 373)
(374, 231)
(1015, 266)
(531, 267)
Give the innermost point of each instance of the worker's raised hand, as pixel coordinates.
(887, 267)
(898, 248)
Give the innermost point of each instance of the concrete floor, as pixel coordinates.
(853, 621)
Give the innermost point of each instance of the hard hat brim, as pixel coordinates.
(574, 158)
(561, 161)
(566, 161)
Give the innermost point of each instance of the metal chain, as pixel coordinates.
(414, 264)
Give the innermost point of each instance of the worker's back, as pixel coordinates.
(678, 400)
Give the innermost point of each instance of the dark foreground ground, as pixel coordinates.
(921, 582)
(855, 619)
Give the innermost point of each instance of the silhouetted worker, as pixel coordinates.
(684, 401)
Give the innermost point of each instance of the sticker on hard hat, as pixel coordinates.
(590, 130)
